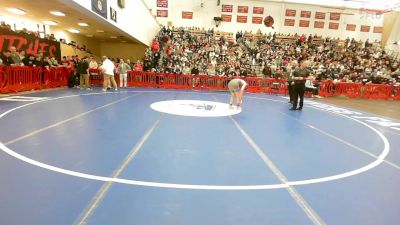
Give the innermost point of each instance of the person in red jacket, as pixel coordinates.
(138, 66)
(155, 46)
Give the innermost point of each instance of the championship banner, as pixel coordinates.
(304, 23)
(226, 18)
(319, 15)
(162, 3)
(319, 24)
(289, 22)
(257, 20)
(258, 10)
(364, 28)
(351, 27)
(100, 7)
(187, 15)
(334, 16)
(162, 13)
(333, 26)
(305, 14)
(30, 44)
(241, 19)
(378, 29)
(227, 8)
(290, 12)
(243, 9)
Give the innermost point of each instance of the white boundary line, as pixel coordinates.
(106, 186)
(67, 120)
(375, 163)
(336, 138)
(308, 210)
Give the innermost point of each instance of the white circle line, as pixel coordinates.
(375, 163)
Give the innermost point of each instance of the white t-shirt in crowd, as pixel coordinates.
(108, 67)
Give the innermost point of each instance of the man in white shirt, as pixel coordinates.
(108, 68)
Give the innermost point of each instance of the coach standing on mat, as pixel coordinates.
(108, 68)
(236, 87)
(300, 76)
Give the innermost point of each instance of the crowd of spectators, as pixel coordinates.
(198, 51)
(194, 51)
(6, 28)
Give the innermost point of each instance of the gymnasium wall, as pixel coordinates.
(134, 20)
(391, 32)
(92, 44)
(123, 50)
(98, 48)
(205, 10)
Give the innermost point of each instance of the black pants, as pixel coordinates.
(290, 90)
(298, 91)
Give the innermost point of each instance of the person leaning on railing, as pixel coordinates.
(6, 58)
(15, 56)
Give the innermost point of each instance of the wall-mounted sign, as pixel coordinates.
(113, 14)
(243, 9)
(241, 19)
(319, 24)
(304, 23)
(334, 16)
(364, 28)
(162, 13)
(378, 29)
(333, 26)
(227, 8)
(290, 12)
(30, 44)
(289, 22)
(226, 18)
(162, 3)
(257, 20)
(351, 27)
(100, 7)
(258, 10)
(187, 15)
(319, 15)
(305, 14)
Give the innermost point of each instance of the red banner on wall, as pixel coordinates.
(290, 12)
(334, 16)
(257, 20)
(319, 15)
(351, 27)
(289, 22)
(258, 10)
(226, 18)
(305, 14)
(243, 9)
(378, 29)
(162, 13)
(187, 15)
(30, 44)
(162, 3)
(241, 19)
(364, 28)
(319, 24)
(333, 26)
(304, 23)
(227, 8)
